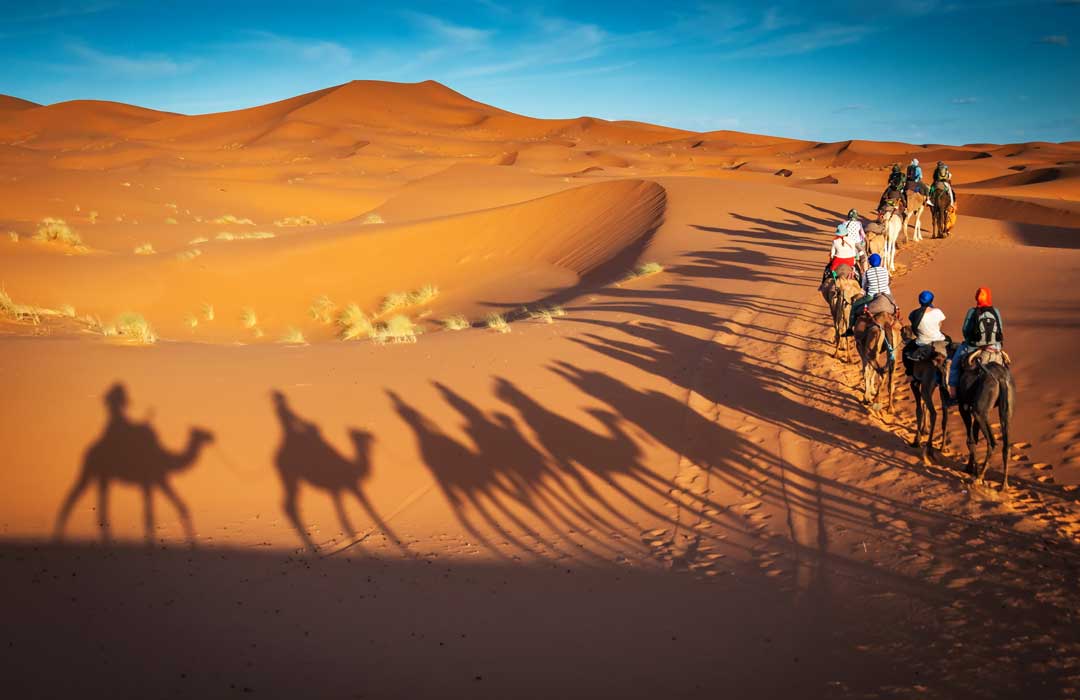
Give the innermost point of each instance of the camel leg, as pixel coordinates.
(148, 514)
(103, 510)
(292, 512)
(982, 423)
(377, 519)
(928, 451)
(343, 517)
(890, 378)
(181, 509)
(944, 415)
(1006, 448)
(916, 393)
(69, 502)
(969, 434)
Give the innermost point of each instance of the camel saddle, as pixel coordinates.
(882, 304)
(987, 355)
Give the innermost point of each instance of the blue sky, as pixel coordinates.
(944, 71)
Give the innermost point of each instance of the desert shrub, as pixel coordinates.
(354, 323)
(198, 240)
(372, 218)
(57, 230)
(644, 270)
(145, 249)
(135, 327)
(456, 323)
(396, 329)
(253, 235)
(393, 302)
(296, 221)
(208, 312)
(191, 321)
(230, 219)
(248, 318)
(497, 323)
(293, 336)
(424, 295)
(322, 309)
(67, 310)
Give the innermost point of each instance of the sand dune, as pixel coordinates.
(654, 481)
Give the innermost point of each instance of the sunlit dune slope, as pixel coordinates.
(516, 253)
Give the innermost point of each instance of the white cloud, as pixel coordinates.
(1055, 40)
(145, 66)
(318, 51)
(447, 31)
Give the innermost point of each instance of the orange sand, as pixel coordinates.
(672, 490)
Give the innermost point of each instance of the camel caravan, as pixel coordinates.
(972, 375)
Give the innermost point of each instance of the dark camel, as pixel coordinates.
(940, 213)
(304, 455)
(130, 452)
(982, 387)
(927, 375)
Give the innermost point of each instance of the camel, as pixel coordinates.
(877, 338)
(927, 375)
(940, 214)
(305, 456)
(982, 387)
(839, 295)
(130, 452)
(916, 202)
(892, 221)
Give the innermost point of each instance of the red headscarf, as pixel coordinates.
(982, 297)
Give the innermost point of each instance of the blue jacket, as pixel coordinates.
(914, 172)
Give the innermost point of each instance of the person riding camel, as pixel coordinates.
(913, 176)
(982, 329)
(942, 178)
(897, 181)
(875, 283)
(926, 325)
(853, 231)
(843, 252)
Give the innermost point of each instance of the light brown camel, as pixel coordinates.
(916, 202)
(942, 209)
(877, 338)
(131, 452)
(839, 294)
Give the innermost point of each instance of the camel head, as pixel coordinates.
(362, 439)
(201, 436)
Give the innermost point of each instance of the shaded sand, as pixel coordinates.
(671, 490)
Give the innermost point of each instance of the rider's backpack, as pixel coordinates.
(987, 327)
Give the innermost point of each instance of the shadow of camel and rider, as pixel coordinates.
(131, 452)
(305, 456)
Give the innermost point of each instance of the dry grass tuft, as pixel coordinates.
(230, 219)
(198, 240)
(354, 323)
(57, 230)
(296, 221)
(134, 327)
(497, 323)
(208, 312)
(424, 295)
(189, 254)
(145, 249)
(396, 329)
(92, 217)
(546, 314)
(393, 302)
(253, 235)
(456, 323)
(191, 321)
(372, 218)
(644, 270)
(248, 318)
(293, 336)
(67, 310)
(322, 309)
(170, 220)
(13, 236)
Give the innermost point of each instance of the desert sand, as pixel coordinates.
(658, 485)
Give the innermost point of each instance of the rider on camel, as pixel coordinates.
(982, 329)
(897, 181)
(913, 178)
(853, 231)
(942, 178)
(926, 324)
(875, 282)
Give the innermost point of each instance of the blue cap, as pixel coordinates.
(875, 260)
(926, 297)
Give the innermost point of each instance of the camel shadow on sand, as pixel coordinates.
(305, 456)
(130, 452)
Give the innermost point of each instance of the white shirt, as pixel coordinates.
(929, 330)
(842, 248)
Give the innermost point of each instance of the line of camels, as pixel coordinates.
(878, 338)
